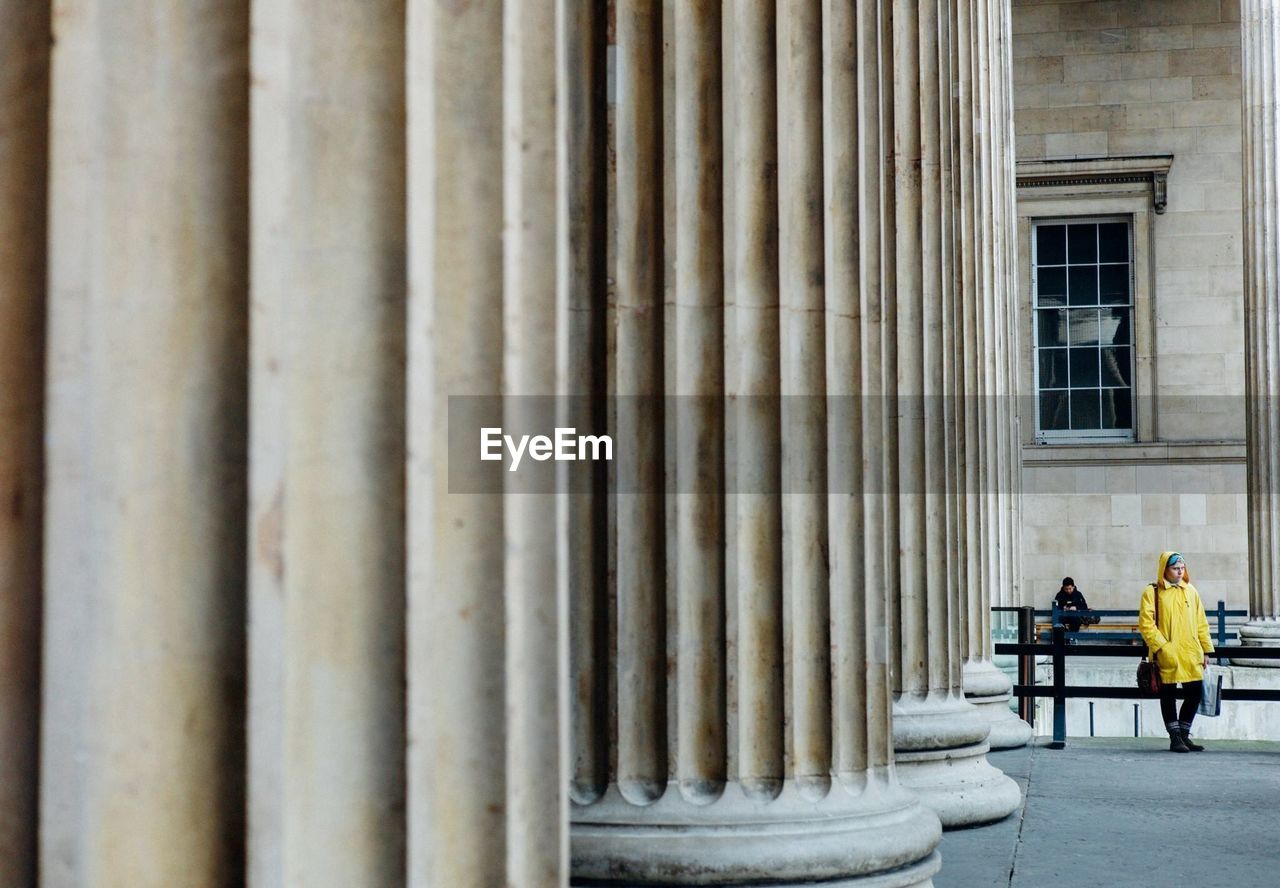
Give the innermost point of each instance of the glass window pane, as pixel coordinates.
(1084, 368)
(1053, 410)
(1117, 368)
(1082, 243)
(1084, 326)
(1114, 328)
(1051, 284)
(1053, 368)
(1113, 242)
(1051, 244)
(1084, 409)
(1053, 326)
(1083, 285)
(1113, 284)
(1117, 409)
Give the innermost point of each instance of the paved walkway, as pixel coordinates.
(1127, 813)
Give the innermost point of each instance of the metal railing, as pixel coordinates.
(1028, 648)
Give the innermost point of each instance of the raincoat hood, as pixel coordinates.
(1164, 563)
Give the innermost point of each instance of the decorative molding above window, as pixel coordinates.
(1148, 172)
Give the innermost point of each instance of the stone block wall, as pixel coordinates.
(1104, 525)
(1113, 79)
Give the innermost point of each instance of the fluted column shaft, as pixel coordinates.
(800, 785)
(1260, 29)
(142, 756)
(990, 317)
(326, 566)
(940, 738)
(24, 96)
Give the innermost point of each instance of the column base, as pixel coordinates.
(1265, 632)
(874, 836)
(916, 875)
(989, 689)
(940, 747)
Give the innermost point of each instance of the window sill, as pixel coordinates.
(1088, 453)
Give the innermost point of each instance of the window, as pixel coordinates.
(1083, 296)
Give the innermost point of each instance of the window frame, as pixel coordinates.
(1091, 202)
(1057, 436)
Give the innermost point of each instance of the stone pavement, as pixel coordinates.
(1127, 813)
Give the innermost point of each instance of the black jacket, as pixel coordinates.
(1074, 598)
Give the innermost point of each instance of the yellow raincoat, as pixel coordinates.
(1179, 643)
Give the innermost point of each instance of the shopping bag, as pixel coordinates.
(1211, 699)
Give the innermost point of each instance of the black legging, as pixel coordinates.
(1193, 688)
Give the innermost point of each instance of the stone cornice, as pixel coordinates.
(1151, 170)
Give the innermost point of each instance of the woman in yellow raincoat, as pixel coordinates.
(1178, 644)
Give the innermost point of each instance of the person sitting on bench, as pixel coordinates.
(1068, 599)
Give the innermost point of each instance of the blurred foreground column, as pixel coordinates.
(326, 719)
(1260, 32)
(142, 759)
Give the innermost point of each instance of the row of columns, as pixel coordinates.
(819, 637)
(233, 507)
(225, 448)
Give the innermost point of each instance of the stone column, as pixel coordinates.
(326, 562)
(992, 463)
(1260, 31)
(142, 755)
(24, 109)
(939, 737)
(818, 802)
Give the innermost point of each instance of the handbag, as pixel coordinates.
(1211, 698)
(1148, 673)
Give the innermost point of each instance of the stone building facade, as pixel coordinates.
(260, 259)
(1098, 86)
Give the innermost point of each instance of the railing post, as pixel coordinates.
(1059, 687)
(1027, 663)
(1222, 623)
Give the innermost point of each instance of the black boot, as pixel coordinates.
(1185, 732)
(1176, 743)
